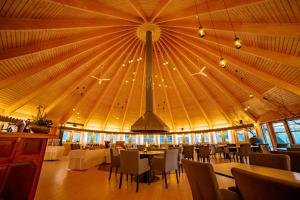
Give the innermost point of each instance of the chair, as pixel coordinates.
(295, 159)
(203, 153)
(270, 160)
(212, 150)
(115, 161)
(256, 186)
(282, 146)
(188, 151)
(166, 164)
(203, 182)
(230, 153)
(180, 156)
(219, 150)
(244, 152)
(131, 163)
(264, 148)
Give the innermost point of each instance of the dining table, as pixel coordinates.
(224, 169)
(150, 155)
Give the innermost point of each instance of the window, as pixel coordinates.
(207, 137)
(96, 138)
(76, 137)
(133, 139)
(197, 138)
(169, 139)
(66, 136)
(251, 132)
(294, 126)
(161, 139)
(107, 137)
(88, 137)
(187, 138)
(116, 138)
(151, 138)
(144, 139)
(266, 133)
(126, 138)
(227, 136)
(240, 136)
(218, 137)
(179, 139)
(280, 132)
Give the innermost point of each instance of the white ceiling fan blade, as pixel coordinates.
(94, 77)
(105, 79)
(195, 74)
(203, 68)
(203, 74)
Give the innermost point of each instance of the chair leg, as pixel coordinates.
(179, 169)
(148, 176)
(121, 177)
(166, 183)
(116, 172)
(137, 183)
(110, 171)
(177, 176)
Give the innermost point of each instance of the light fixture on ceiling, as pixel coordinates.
(237, 42)
(201, 30)
(251, 95)
(222, 61)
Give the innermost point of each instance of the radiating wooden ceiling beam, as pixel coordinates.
(40, 89)
(49, 63)
(249, 69)
(109, 60)
(286, 29)
(178, 94)
(183, 70)
(99, 8)
(175, 59)
(162, 5)
(31, 24)
(214, 6)
(157, 64)
(50, 44)
(138, 73)
(138, 9)
(250, 50)
(235, 101)
(134, 53)
(78, 81)
(119, 58)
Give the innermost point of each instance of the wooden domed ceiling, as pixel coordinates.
(51, 48)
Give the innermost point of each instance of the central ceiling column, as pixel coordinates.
(149, 90)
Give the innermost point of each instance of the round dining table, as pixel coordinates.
(149, 155)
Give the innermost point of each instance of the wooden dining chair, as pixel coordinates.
(243, 153)
(131, 163)
(166, 164)
(203, 153)
(270, 160)
(203, 182)
(114, 161)
(259, 187)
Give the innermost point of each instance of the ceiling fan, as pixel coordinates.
(201, 72)
(100, 80)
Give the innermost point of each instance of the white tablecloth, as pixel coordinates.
(84, 159)
(54, 152)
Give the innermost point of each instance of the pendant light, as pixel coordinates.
(222, 61)
(201, 30)
(237, 42)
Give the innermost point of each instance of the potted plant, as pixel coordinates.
(40, 124)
